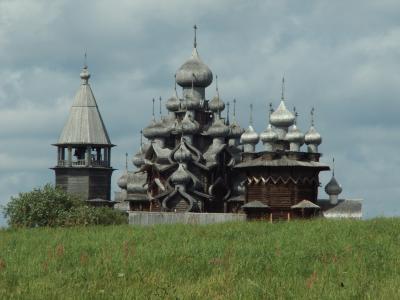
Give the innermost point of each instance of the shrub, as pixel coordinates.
(52, 206)
(88, 215)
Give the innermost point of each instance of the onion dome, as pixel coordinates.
(194, 71)
(216, 105)
(136, 186)
(268, 135)
(173, 103)
(187, 125)
(312, 136)
(250, 136)
(182, 154)
(156, 129)
(282, 117)
(295, 135)
(333, 187)
(180, 176)
(138, 158)
(123, 180)
(218, 129)
(235, 131)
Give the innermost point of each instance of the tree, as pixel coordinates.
(52, 206)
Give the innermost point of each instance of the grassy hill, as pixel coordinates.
(318, 259)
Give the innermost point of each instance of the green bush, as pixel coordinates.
(88, 215)
(52, 206)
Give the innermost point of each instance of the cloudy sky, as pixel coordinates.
(339, 56)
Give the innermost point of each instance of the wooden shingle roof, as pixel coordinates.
(85, 124)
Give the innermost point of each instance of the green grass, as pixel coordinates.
(318, 259)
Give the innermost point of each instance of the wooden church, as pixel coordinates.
(197, 160)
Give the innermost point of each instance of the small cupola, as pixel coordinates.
(182, 154)
(295, 137)
(250, 137)
(333, 188)
(173, 103)
(312, 138)
(216, 105)
(180, 177)
(268, 137)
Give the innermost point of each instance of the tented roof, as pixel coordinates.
(85, 124)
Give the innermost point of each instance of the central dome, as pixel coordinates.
(194, 69)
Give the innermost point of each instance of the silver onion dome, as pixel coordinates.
(250, 136)
(182, 154)
(313, 137)
(268, 135)
(123, 180)
(136, 186)
(295, 135)
(282, 117)
(187, 125)
(216, 104)
(235, 131)
(218, 129)
(156, 129)
(180, 176)
(333, 187)
(138, 158)
(194, 70)
(173, 103)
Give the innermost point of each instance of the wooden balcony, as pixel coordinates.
(82, 163)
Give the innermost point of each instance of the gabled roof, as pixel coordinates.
(255, 204)
(345, 208)
(84, 124)
(305, 204)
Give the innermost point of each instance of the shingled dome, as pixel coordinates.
(295, 135)
(313, 137)
(187, 126)
(250, 136)
(173, 103)
(333, 187)
(235, 130)
(156, 129)
(218, 129)
(180, 176)
(84, 124)
(268, 135)
(182, 154)
(194, 70)
(282, 117)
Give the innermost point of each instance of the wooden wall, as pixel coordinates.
(89, 183)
